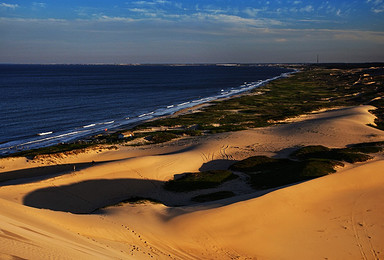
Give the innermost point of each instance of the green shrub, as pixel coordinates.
(199, 180)
(162, 137)
(346, 154)
(307, 151)
(265, 172)
(252, 164)
(313, 168)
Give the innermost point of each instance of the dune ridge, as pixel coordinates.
(335, 217)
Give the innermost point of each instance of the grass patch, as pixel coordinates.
(139, 200)
(60, 148)
(162, 137)
(199, 180)
(213, 196)
(370, 147)
(265, 172)
(256, 163)
(351, 155)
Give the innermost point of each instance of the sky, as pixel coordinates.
(183, 31)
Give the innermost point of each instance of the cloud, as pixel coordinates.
(138, 10)
(377, 11)
(308, 9)
(234, 20)
(145, 12)
(375, 2)
(115, 19)
(377, 6)
(155, 2)
(253, 12)
(10, 6)
(142, 3)
(39, 5)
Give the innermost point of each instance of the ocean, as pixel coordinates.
(43, 105)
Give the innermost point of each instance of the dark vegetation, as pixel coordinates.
(378, 112)
(265, 172)
(213, 196)
(350, 155)
(60, 148)
(138, 200)
(310, 162)
(199, 180)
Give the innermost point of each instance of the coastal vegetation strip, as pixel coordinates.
(311, 89)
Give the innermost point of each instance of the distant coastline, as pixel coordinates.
(52, 136)
(271, 107)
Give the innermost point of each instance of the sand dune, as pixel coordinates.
(51, 211)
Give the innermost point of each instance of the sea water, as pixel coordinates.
(42, 105)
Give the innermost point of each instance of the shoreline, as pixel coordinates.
(173, 121)
(83, 133)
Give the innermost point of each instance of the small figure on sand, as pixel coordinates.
(74, 167)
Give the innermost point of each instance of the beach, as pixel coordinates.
(66, 215)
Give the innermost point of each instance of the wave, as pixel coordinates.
(87, 126)
(45, 133)
(183, 104)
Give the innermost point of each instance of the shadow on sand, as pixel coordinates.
(92, 196)
(42, 173)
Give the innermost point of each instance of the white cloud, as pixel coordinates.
(138, 10)
(308, 9)
(115, 19)
(253, 12)
(33, 20)
(377, 6)
(163, 2)
(235, 20)
(377, 11)
(10, 6)
(151, 2)
(142, 3)
(39, 5)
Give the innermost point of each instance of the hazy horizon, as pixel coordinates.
(191, 32)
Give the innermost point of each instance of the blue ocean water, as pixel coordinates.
(47, 104)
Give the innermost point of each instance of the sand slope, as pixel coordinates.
(334, 217)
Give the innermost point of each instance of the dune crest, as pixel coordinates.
(47, 212)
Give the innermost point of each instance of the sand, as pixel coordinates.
(50, 211)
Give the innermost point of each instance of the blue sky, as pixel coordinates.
(177, 31)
